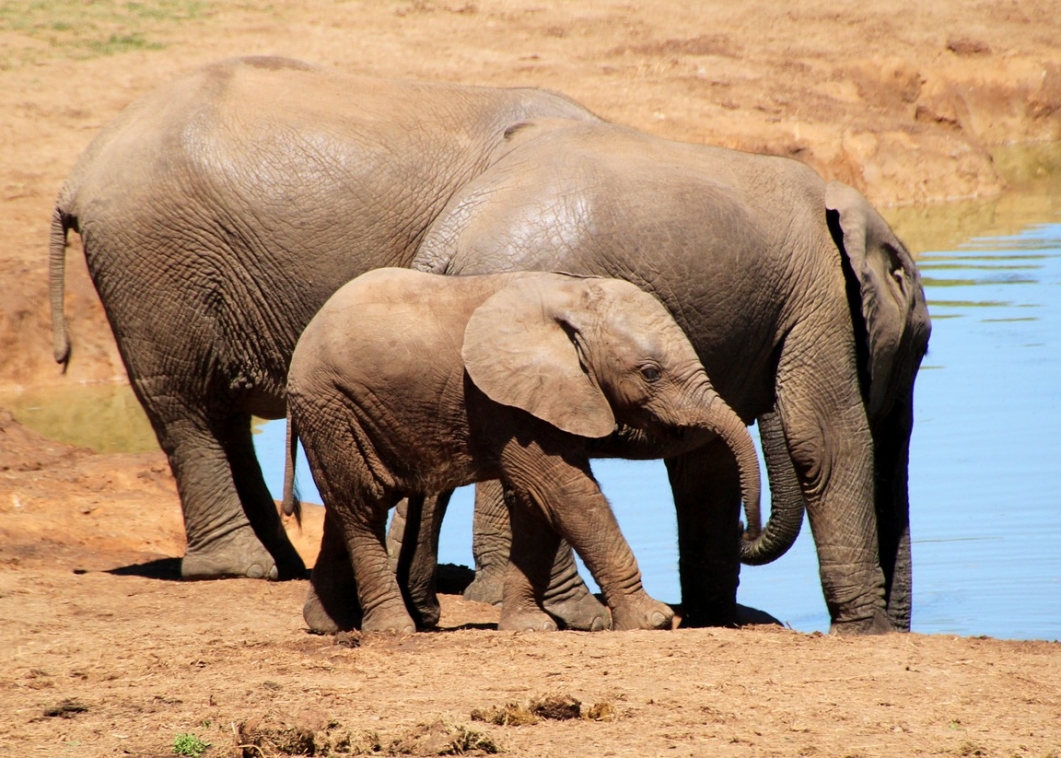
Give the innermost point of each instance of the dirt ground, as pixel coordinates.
(104, 653)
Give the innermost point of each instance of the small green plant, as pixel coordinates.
(189, 745)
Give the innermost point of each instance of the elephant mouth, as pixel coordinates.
(679, 439)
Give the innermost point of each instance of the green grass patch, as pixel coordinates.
(189, 745)
(79, 29)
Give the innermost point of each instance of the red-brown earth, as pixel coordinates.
(909, 101)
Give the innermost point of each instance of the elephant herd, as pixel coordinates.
(268, 238)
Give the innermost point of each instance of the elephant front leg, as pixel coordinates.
(707, 496)
(829, 439)
(567, 599)
(572, 502)
(491, 542)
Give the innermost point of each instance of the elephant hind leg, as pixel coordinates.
(331, 604)
(221, 539)
(257, 502)
(356, 504)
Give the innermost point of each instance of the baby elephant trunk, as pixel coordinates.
(715, 415)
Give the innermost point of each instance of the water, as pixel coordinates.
(985, 476)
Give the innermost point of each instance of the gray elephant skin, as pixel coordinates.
(218, 214)
(407, 383)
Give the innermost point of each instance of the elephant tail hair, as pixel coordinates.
(61, 224)
(292, 503)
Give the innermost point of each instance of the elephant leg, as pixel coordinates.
(419, 518)
(533, 548)
(824, 420)
(221, 539)
(491, 539)
(257, 502)
(891, 445)
(571, 500)
(706, 487)
(567, 599)
(383, 605)
(331, 604)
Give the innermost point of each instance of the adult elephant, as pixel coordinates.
(805, 309)
(217, 215)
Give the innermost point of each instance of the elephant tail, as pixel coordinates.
(61, 224)
(292, 503)
(787, 504)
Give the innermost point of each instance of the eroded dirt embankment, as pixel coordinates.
(904, 100)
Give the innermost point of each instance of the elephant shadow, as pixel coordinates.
(165, 569)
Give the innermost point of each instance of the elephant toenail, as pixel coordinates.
(255, 571)
(658, 620)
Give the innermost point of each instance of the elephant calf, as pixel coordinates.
(408, 383)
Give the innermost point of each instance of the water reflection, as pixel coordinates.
(985, 472)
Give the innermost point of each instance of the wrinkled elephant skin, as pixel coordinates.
(406, 383)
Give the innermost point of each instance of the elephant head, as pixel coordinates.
(892, 327)
(591, 354)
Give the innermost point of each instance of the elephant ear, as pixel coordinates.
(892, 299)
(523, 348)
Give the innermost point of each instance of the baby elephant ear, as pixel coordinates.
(522, 349)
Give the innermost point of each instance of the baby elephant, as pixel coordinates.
(407, 383)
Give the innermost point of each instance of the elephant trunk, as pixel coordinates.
(716, 416)
(786, 497)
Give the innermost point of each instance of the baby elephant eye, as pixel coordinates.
(650, 374)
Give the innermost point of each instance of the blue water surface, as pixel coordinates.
(985, 475)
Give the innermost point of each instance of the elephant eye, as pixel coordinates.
(650, 374)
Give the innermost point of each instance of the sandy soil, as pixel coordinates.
(103, 653)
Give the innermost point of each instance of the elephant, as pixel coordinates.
(218, 214)
(806, 310)
(407, 383)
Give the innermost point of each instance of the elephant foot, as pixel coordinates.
(429, 612)
(748, 616)
(583, 612)
(641, 613)
(331, 604)
(320, 621)
(238, 554)
(392, 618)
(878, 623)
(485, 588)
(526, 620)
